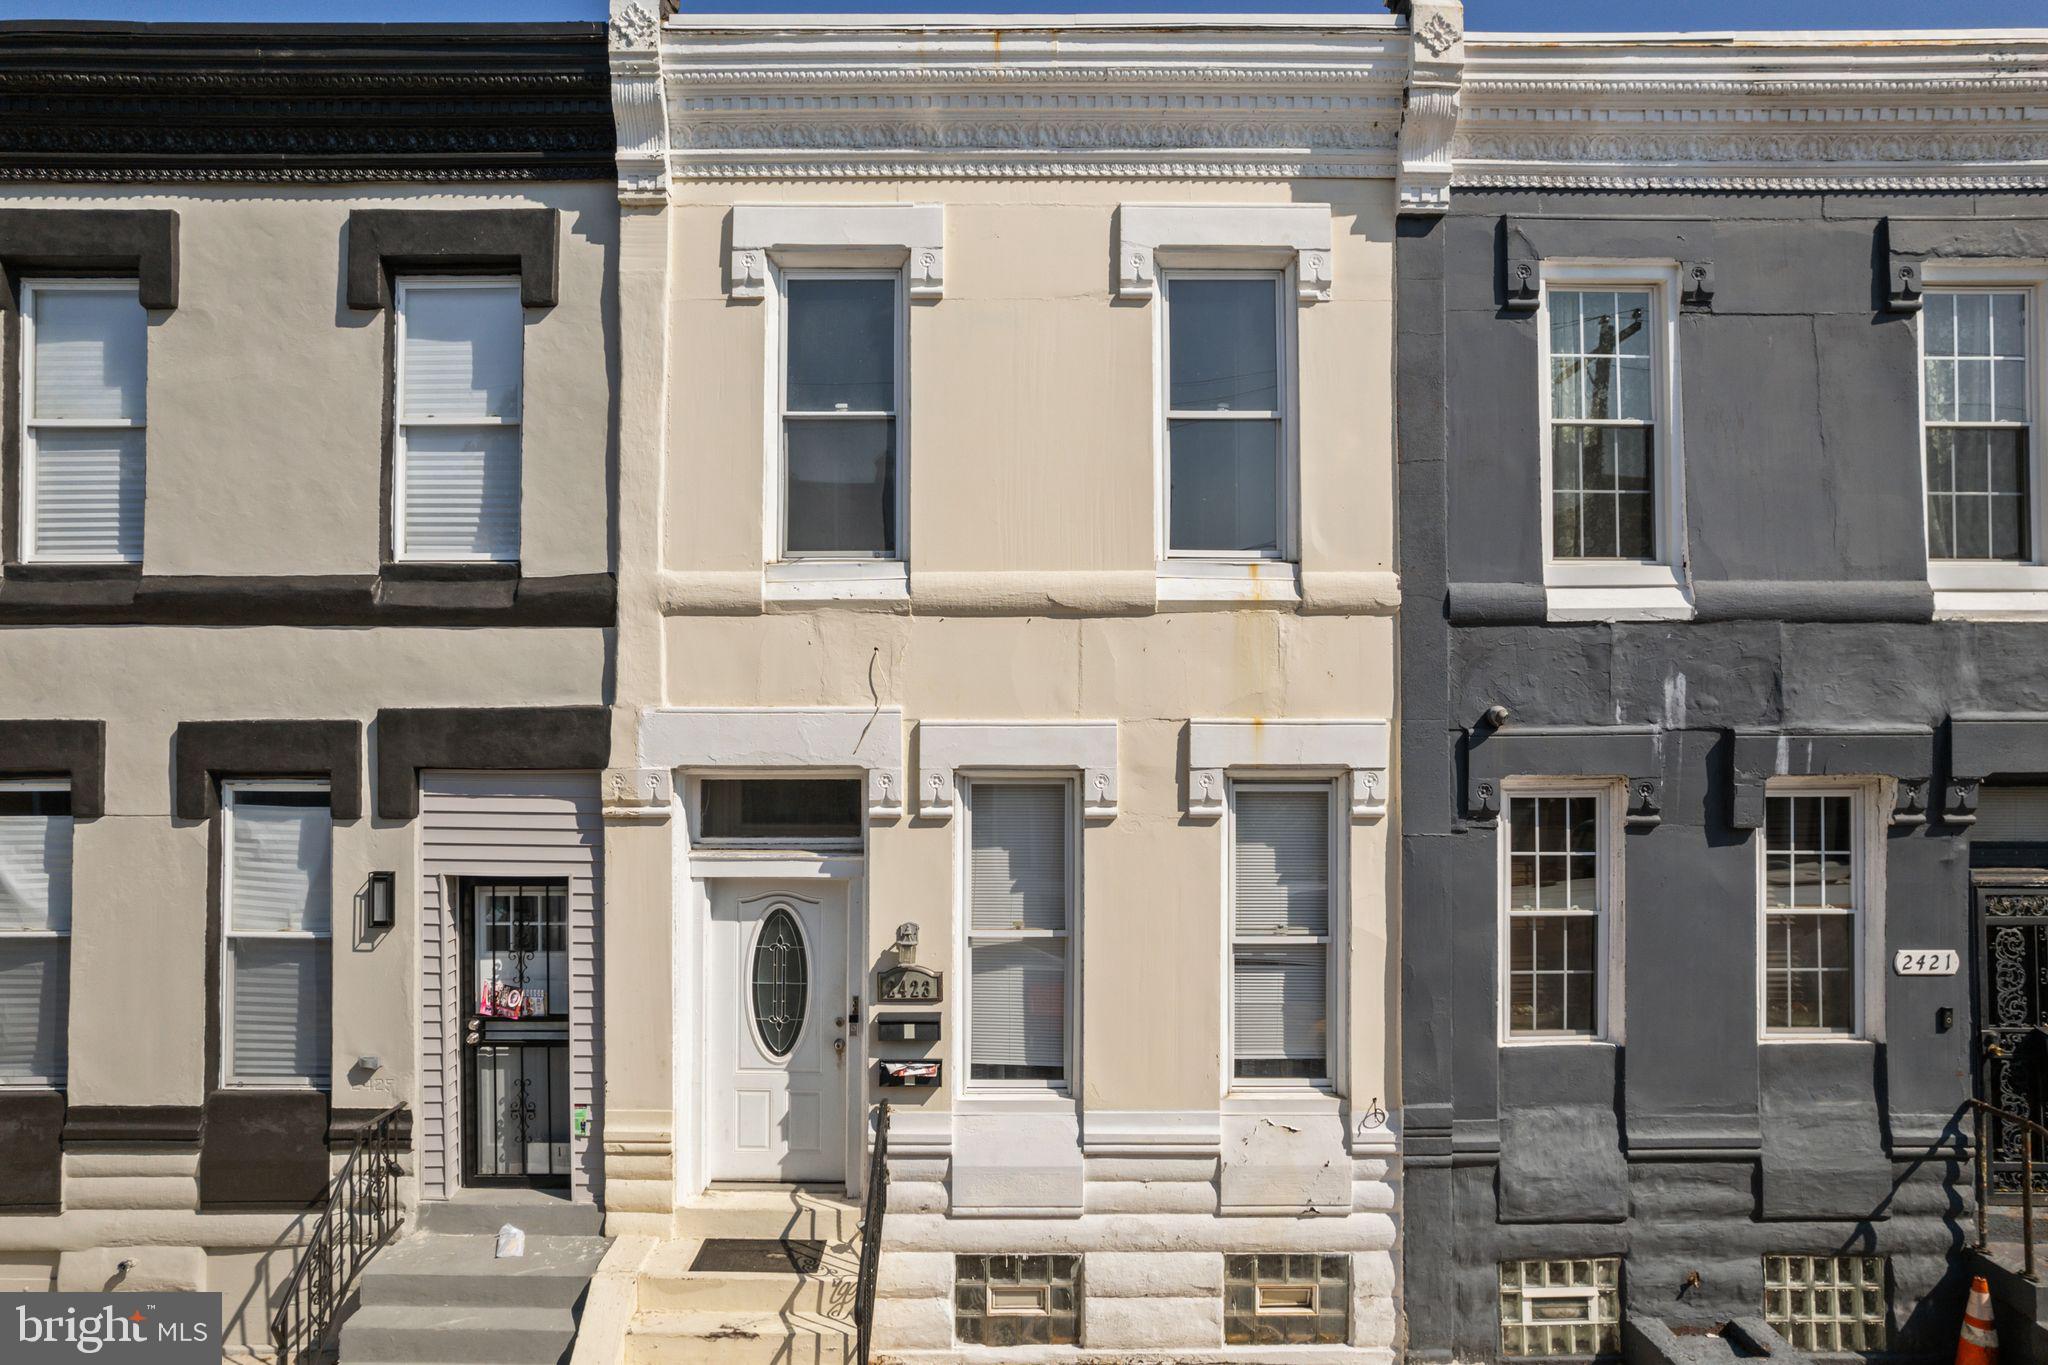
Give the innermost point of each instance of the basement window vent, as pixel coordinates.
(1286, 1299)
(1017, 1300)
(1561, 1308)
(1827, 1303)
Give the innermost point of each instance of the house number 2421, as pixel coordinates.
(1926, 962)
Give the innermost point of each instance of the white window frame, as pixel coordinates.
(1621, 590)
(46, 784)
(1980, 589)
(1867, 825)
(828, 577)
(1069, 1085)
(1610, 933)
(31, 291)
(403, 286)
(1336, 943)
(1217, 570)
(229, 791)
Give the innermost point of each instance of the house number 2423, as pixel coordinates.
(1926, 962)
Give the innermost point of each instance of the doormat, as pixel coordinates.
(759, 1255)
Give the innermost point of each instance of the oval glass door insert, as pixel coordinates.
(781, 982)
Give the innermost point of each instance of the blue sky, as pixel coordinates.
(1497, 15)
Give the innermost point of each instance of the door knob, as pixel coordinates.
(1994, 1050)
(838, 1049)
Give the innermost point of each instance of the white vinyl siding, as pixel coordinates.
(85, 381)
(35, 932)
(1280, 894)
(507, 826)
(278, 915)
(461, 358)
(1019, 903)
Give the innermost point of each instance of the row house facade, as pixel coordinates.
(305, 615)
(1722, 727)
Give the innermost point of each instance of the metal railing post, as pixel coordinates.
(1983, 1180)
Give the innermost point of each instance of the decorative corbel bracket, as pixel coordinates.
(1909, 802)
(1524, 284)
(637, 793)
(1628, 753)
(945, 747)
(1429, 121)
(1959, 801)
(1695, 285)
(1645, 803)
(639, 105)
(885, 794)
(1904, 294)
(1217, 748)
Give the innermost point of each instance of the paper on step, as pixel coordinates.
(511, 1241)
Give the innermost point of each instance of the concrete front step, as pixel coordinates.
(668, 1284)
(437, 1270)
(496, 1335)
(738, 1338)
(799, 1213)
(545, 1215)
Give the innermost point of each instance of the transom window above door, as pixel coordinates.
(841, 395)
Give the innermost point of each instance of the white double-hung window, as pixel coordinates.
(35, 932)
(1613, 525)
(841, 397)
(1229, 469)
(461, 361)
(1020, 896)
(278, 899)
(85, 348)
(1282, 914)
(1813, 900)
(1556, 914)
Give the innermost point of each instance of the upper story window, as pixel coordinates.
(1978, 420)
(278, 899)
(1281, 894)
(461, 360)
(840, 401)
(1020, 895)
(1613, 530)
(1228, 485)
(1555, 922)
(85, 382)
(35, 932)
(1812, 912)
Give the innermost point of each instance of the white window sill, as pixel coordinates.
(1618, 602)
(1556, 1040)
(837, 580)
(1198, 582)
(1977, 604)
(1282, 1099)
(1808, 1039)
(997, 1103)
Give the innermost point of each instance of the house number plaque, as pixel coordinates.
(1926, 962)
(908, 981)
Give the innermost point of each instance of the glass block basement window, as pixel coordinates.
(1017, 1300)
(1826, 1303)
(1561, 1308)
(1286, 1299)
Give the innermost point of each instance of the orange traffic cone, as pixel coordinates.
(1979, 1345)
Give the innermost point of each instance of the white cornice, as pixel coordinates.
(1223, 97)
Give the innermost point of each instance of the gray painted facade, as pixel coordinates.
(1814, 648)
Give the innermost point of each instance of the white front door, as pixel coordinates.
(775, 1086)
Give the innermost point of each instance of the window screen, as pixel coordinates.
(1280, 932)
(278, 922)
(461, 362)
(82, 480)
(1018, 923)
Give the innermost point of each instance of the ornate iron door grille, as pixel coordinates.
(2012, 1009)
(515, 1046)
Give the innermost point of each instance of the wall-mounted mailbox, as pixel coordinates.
(907, 1028)
(919, 1074)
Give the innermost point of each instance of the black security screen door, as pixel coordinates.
(515, 1048)
(2012, 1006)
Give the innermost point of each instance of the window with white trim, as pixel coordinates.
(1282, 901)
(277, 894)
(461, 377)
(1556, 914)
(1229, 384)
(841, 400)
(35, 932)
(1020, 898)
(85, 357)
(1977, 424)
(1811, 879)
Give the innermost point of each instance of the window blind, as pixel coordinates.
(1281, 867)
(1278, 1002)
(85, 472)
(462, 353)
(1017, 860)
(281, 874)
(35, 864)
(461, 375)
(35, 1007)
(2014, 815)
(1019, 1013)
(87, 495)
(90, 354)
(462, 492)
(278, 1004)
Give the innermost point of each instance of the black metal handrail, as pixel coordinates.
(361, 1215)
(1985, 1113)
(874, 1203)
